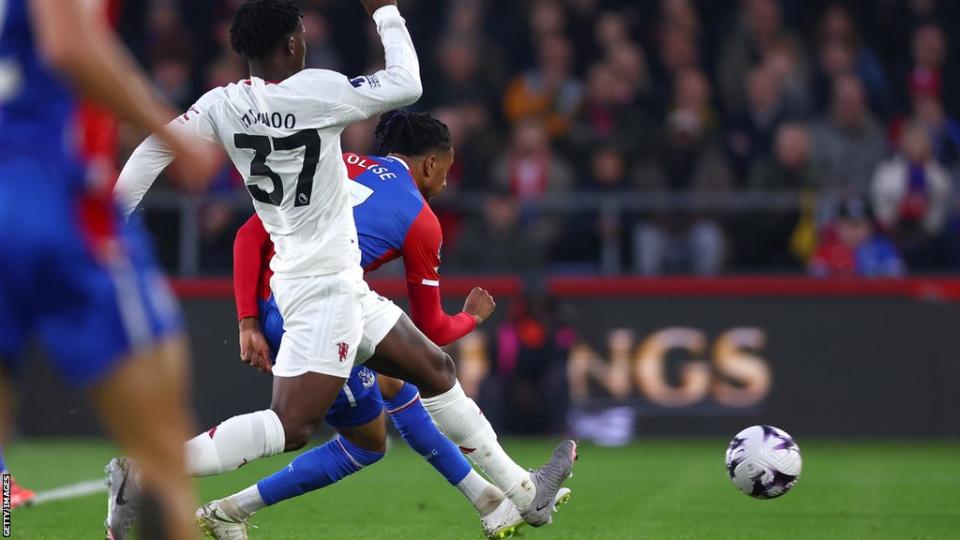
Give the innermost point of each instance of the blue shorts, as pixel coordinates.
(74, 275)
(357, 404)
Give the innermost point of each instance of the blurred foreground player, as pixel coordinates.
(390, 194)
(284, 138)
(70, 273)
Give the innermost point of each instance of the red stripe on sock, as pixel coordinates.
(405, 406)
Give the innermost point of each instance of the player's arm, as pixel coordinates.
(250, 247)
(87, 52)
(421, 260)
(395, 86)
(153, 155)
(140, 171)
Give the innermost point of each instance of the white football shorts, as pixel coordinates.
(330, 323)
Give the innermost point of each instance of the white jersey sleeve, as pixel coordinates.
(152, 156)
(395, 86)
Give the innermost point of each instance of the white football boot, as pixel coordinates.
(505, 519)
(218, 522)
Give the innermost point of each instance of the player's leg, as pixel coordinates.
(499, 517)
(402, 402)
(142, 404)
(321, 327)
(358, 417)
(354, 449)
(407, 354)
(299, 405)
(111, 324)
(15, 321)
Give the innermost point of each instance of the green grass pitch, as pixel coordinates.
(674, 489)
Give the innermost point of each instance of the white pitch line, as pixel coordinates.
(71, 491)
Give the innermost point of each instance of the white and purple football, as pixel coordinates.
(763, 461)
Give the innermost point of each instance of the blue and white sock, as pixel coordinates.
(418, 430)
(3, 464)
(311, 470)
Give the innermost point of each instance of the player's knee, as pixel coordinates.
(371, 442)
(444, 374)
(297, 436)
(389, 387)
(448, 369)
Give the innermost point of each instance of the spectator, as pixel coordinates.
(475, 141)
(691, 156)
(791, 167)
(461, 79)
(751, 135)
(550, 92)
(471, 64)
(678, 50)
(764, 238)
(593, 236)
(929, 53)
(786, 63)
(532, 345)
(611, 31)
(912, 195)
(681, 14)
(691, 160)
(848, 141)
(496, 242)
(547, 19)
(530, 168)
(929, 111)
(852, 247)
(629, 63)
(759, 30)
(171, 76)
(321, 51)
(842, 51)
(610, 115)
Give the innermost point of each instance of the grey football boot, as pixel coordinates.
(548, 479)
(123, 502)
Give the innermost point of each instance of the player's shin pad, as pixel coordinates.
(459, 418)
(234, 442)
(419, 432)
(320, 467)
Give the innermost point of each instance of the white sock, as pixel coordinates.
(459, 418)
(234, 442)
(244, 503)
(483, 495)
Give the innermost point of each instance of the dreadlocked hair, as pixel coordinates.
(411, 134)
(260, 26)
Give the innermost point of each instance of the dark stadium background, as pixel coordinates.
(671, 183)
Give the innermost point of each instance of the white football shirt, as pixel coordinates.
(284, 139)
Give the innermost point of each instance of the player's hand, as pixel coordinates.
(479, 304)
(373, 5)
(254, 349)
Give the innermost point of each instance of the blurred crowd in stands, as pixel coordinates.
(851, 106)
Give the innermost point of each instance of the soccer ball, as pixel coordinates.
(763, 461)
